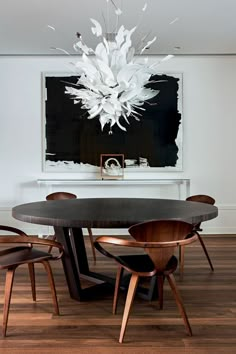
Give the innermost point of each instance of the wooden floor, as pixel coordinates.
(89, 327)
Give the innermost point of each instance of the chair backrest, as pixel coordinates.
(202, 198)
(60, 196)
(158, 238)
(161, 237)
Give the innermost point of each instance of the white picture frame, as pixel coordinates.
(133, 163)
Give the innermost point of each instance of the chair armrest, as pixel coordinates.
(29, 240)
(13, 230)
(132, 243)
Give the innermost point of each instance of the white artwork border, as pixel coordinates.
(70, 166)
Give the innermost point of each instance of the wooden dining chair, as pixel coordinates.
(201, 198)
(22, 252)
(67, 195)
(159, 239)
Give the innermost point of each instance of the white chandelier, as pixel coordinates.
(112, 84)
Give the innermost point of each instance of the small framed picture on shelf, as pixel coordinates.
(112, 166)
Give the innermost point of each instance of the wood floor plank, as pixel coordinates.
(209, 298)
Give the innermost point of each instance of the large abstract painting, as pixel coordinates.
(74, 143)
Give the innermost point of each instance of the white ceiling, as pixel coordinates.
(186, 27)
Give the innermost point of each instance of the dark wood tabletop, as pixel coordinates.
(111, 212)
(69, 217)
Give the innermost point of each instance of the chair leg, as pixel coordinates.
(205, 250)
(129, 300)
(160, 283)
(52, 286)
(181, 259)
(7, 298)
(32, 280)
(92, 245)
(50, 247)
(119, 274)
(179, 302)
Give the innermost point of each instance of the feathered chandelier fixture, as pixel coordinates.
(112, 84)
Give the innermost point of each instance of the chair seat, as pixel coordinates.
(171, 266)
(142, 263)
(21, 255)
(138, 262)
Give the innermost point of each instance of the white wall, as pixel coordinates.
(209, 106)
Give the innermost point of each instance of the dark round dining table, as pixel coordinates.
(68, 217)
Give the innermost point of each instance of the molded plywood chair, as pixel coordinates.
(60, 196)
(202, 198)
(21, 253)
(159, 240)
(66, 195)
